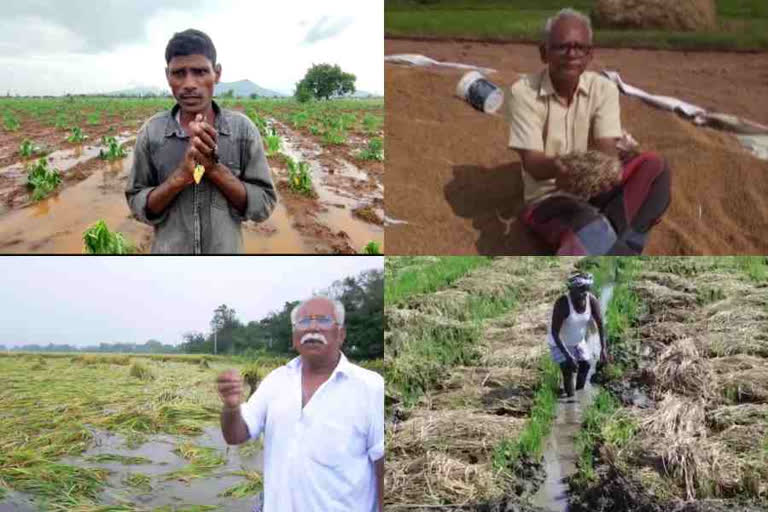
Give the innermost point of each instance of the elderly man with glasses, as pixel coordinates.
(322, 419)
(564, 109)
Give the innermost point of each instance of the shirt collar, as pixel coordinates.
(343, 368)
(174, 128)
(548, 89)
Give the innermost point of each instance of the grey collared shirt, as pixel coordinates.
(200, 219)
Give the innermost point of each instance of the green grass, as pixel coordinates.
(412, 275)
(529, 443)
(597, 426)
(743, 24)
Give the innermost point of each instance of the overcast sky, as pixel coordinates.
(82, 46)
(85, 301)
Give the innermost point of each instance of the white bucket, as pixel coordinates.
(480, 92)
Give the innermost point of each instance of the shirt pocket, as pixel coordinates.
(332, 444)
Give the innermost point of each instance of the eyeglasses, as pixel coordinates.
(579, 50)
(322, 321)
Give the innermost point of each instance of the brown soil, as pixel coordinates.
(451, 177)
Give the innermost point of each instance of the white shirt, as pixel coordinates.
(319, 458)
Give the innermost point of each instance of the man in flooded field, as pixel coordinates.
(564, 110)
(322, 418)
(567, 333)
(198, 170)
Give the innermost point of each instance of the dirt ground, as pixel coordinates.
(451, 177)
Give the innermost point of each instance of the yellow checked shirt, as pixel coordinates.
(540, 120)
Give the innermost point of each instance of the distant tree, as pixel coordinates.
(324, 80)
(229, 94)
(254, 95)
(302, 94)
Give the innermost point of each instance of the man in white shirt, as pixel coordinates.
(322, 418)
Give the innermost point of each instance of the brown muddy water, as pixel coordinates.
(56, 224)
(175, 492)
(560, 453)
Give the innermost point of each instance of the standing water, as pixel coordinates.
(560, 453)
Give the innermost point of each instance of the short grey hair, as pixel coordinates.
(338, 309)
(567, 13)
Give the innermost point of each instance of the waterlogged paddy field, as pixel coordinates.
(326, 159)
(680, 421)
(89, 433)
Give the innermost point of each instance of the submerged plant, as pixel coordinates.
(77, 135)
(42, 179)
(115, 150)
(99, 239)
(299, 179)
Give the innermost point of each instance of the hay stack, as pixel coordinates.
(685, 15)
(680, 369)
(588, 173)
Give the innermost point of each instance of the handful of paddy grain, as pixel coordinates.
(587, 174)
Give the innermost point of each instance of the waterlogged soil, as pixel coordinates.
(720, 316)
(92, 189)
(165, 489)
(441, 449)
(456, 185)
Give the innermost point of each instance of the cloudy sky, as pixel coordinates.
(82, 46)
(85, 301)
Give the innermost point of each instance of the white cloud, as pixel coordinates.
(266, 45)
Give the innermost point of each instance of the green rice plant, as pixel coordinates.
(41, 179)
(76, 135)
(529, 444)
(409, 276)
(372, 248)
(138, 481)
(252, 484)
(373, 151)
(98, 239)
(299, 178)
(273, 142)
(115, 150)
(141, 371)
(122, 459)
(202, 460)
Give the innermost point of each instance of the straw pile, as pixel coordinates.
(588, 174)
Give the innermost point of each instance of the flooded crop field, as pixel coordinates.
(327, 161)
(109, 432)
(677, 421)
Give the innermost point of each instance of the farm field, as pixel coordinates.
(326, 159)
(678, 420)
(122, 433)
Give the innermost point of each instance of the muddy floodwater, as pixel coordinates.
(93, 189)
(165, 490)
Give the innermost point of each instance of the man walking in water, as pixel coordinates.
(568, 331)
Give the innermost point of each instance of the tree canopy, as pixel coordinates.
(322, 81)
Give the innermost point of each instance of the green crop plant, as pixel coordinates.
(27, 148)
(10, 123)
(335, 136)
(372, 124)
(299, 179)
(42, 179)
(373, 151)
(115, 150)
(372, 248)
(76, 135)
(299, 119)
(99, 239)
(93, 118)
(273, 142)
